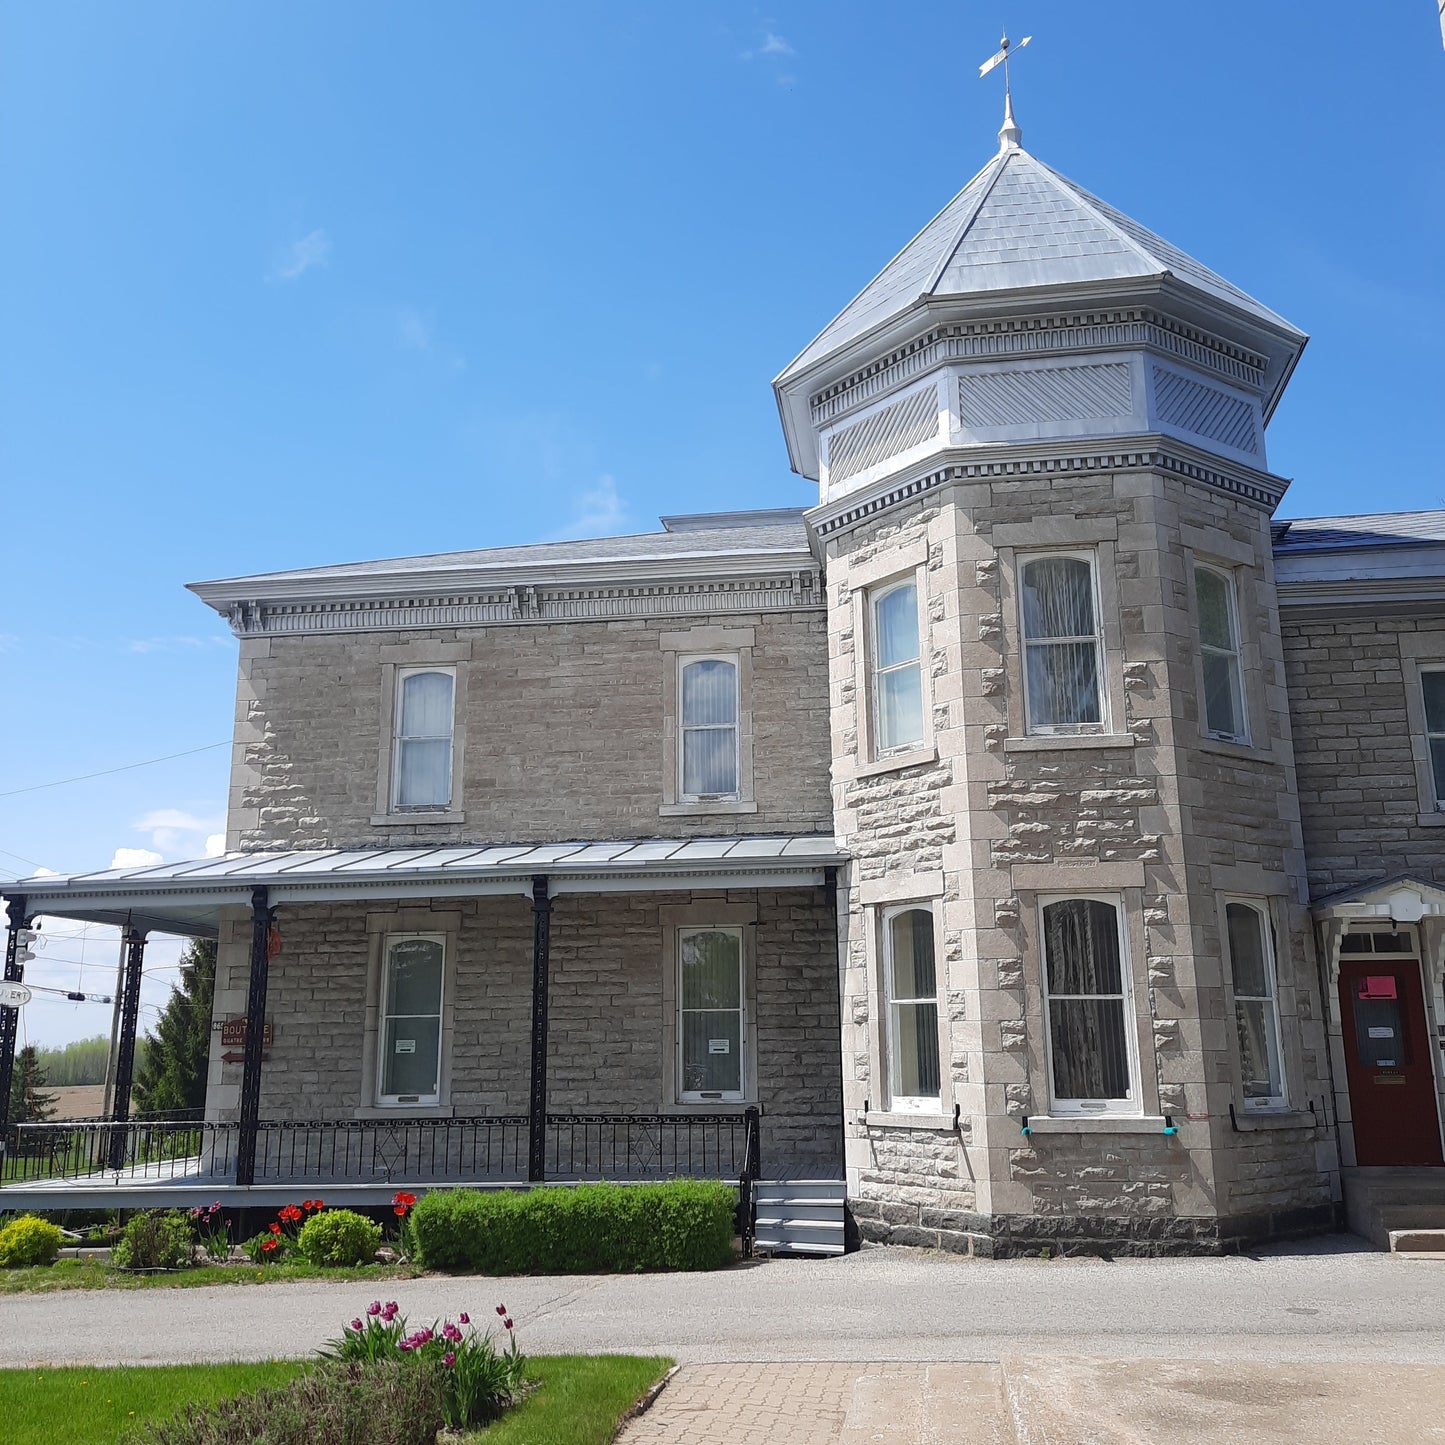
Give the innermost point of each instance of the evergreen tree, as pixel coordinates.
(172, 1074)
(29, 1103)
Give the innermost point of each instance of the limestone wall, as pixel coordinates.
(564, 737)
(985, 820)
(608, 1026)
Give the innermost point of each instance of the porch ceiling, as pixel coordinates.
(187, 898)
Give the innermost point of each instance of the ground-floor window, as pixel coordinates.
(1088, 1007)
(712, 1031)
(911, 984)
(1256, 1002)
(410, 1057)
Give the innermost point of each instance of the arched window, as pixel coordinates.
(911, 984)
(897, 677)
(708, 757)
(1061, 644)
(422, 765)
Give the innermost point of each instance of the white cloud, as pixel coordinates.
(300, 256)
(8, 642)
(173, 644)
(772, 44)
(135, 858)
(215, 845)
(175, 830)
(597, 512)
(43, 872)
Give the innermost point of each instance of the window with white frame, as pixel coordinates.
(1432, 687)
(421, 770)
(897, 669)
(911, 986)
(409, 1059)
(708, 726)
(712, 1019)
(1256, 1002)
(1063, 649)
(1087, 1003)
(1218, 615)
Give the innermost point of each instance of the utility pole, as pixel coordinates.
(110, 1059)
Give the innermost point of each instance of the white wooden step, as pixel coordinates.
(800, 1216)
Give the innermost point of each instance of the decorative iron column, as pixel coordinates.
(135, 947)
(261, 915)
(541, 964)
(10, 1017)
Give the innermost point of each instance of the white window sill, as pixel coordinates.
(419, 819)
(708, 1106)
(903, 1119)
(913, 758)
(1060, 742)
(1248, 1120)
(1096, 1123)
(405, 1111)
(1431, 820)
(701, 807)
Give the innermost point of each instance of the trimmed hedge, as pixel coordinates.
(617, 1228)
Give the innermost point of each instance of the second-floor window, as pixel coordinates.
(708, 757)
(1063, 650)
(897, 673)
(1432, 685)
(1214, 602)
(422, 762)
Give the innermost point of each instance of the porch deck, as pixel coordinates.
(98, 1164)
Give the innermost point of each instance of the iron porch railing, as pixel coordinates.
(481, 1150)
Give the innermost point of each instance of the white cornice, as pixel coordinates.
(1004, 463)
(403, 598)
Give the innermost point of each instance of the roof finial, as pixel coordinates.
(1010, 136)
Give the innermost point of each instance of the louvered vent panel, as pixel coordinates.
(909, 422)
(1051, 393)
(1204, 410)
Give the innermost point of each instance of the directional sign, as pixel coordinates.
(14, 995)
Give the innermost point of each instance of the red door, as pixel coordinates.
(1387, 1060)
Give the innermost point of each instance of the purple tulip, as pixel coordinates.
(465, 1318)
(449, 1359)
(374, 1308)
(356, 1324)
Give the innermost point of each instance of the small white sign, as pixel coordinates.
(1382, 1033)
(719, 1046)
(14, 995)
(406, 1046)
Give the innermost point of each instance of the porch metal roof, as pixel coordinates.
(187, 898)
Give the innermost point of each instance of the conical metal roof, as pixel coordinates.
(1019, 224)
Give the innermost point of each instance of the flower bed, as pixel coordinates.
(683, 1225)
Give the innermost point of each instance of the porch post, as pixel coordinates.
(255, 1037)
(10, 1017)
(135, 946)
(541, 961)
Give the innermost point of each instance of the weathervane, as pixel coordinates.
(1010, 135)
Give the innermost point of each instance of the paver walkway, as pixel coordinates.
(1029, 1401)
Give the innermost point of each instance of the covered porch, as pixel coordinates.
(566, 1038)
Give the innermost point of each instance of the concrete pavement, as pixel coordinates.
(1329, 1300)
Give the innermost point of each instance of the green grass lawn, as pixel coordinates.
(87, 1274)
(579, 1398)
(42, 1406)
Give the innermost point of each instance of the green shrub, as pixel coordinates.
(28, 1240)
(339, 1237)
(155, 1239)
(683, 1224)
(336, 1405)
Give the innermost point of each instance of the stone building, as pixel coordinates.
(1033, 841)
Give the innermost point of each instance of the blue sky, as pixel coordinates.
(296, 283)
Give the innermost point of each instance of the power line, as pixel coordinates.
(106, 772)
